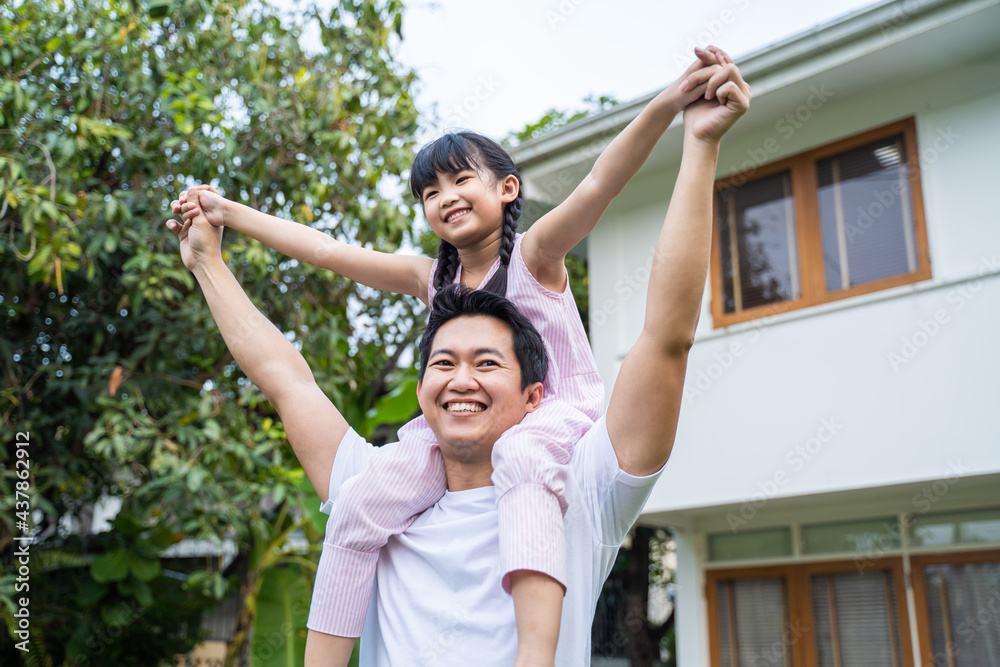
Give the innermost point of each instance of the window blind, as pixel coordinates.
(866, 216)
(963, 609)
(752, 621)
(856, 623)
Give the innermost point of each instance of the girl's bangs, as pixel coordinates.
(449, 154)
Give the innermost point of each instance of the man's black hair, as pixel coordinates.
(454, 301)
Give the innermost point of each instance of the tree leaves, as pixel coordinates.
(109, 355)
(283, 603)
(396, 407)
(111, 566)
(158, 8)
(144, 569)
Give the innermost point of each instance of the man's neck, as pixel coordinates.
(464, 476)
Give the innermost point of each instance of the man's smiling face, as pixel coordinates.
(471, 390)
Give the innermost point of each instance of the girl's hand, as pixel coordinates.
(200, 241)
(203, 198)
(187, 195)
(726, 98)
(692, 84)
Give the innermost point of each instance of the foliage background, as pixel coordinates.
(110, 359)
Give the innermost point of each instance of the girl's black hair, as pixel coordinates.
(450, 154)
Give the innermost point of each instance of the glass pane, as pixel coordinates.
(750, 544)
(757, 232)
(866, 214)
(872, 536)
(856, 620)
(972, 527)
(963, 608)
(753, 622)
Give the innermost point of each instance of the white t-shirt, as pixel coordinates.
(437, 598)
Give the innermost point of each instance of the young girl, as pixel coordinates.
(471, 195)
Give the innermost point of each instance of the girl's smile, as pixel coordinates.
(456, 215)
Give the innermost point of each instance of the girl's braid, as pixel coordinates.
(511, 215)
(447, 265)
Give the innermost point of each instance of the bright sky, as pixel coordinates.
(495, 66)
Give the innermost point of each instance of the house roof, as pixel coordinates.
(845, 504)
(880, 45)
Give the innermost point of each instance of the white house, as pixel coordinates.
(835, 484)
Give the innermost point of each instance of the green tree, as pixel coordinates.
(553, 119)
(640, 566)
(110, 360)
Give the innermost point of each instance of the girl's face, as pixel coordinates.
(466, 208)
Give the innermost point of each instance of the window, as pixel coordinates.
(856, 619)
(978, 526)
(869, 536)
(767, 543)
(825, 614)
(957, 598)
(753, 621)
(835, 222)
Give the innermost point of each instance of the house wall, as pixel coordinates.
(756, 394)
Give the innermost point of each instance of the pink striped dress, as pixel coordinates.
(403, 479)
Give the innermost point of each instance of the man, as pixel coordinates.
(438, 598)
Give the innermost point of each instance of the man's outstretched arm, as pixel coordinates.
(314, 426)
(646, 399)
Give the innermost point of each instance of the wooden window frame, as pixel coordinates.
(797, 577)
(918, 563)
(808, 233)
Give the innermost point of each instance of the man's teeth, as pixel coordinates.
(456, 214)
(464, 407)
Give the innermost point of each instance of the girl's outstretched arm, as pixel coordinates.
(547, 242)
(403, 274)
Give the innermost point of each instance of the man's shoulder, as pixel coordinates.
(352, 456)
(594, 454)
(611, 497)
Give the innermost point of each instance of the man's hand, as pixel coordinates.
(200, 241)
(203, 198)
(726, 98)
